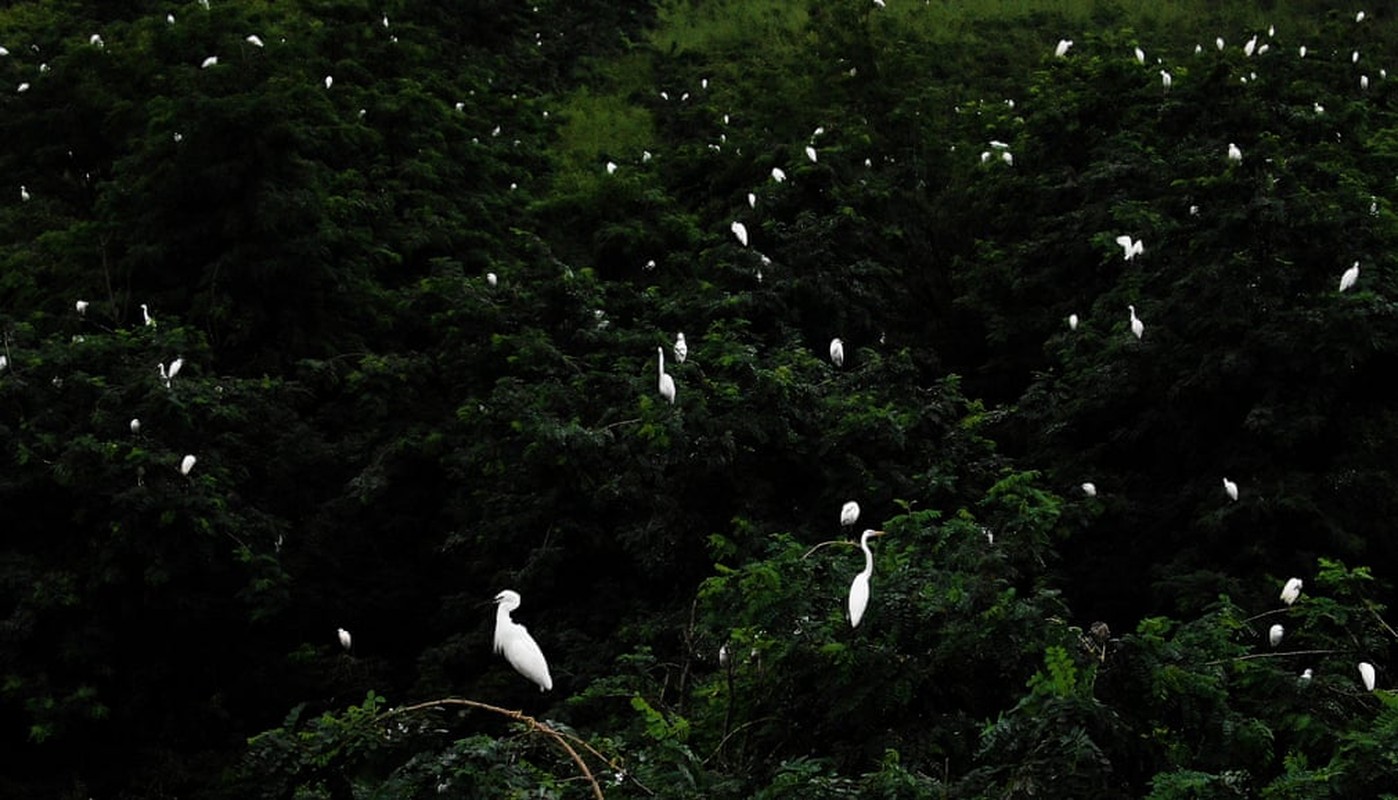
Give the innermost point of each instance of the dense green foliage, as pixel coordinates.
(417, 261)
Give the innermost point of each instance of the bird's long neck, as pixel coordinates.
(868, 556)
(502, 624)
(661, 351)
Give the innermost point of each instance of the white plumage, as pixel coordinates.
(741, 231)
(345, 640)
(515, 643)
(837, 352)
(1137, 327)
(187, 464)
(1291, 591)
(1274, 636)
(1366, 673)
(681, 349)
(1231, 488)
(1348, 279)
(667, 383)
(849, 513)
(859, 589)
(1089, 489)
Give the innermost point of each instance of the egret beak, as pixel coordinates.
(880, 533)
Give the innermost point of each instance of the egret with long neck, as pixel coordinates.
(859, 589)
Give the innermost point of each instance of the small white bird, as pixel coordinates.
(345, 640)
(515, 643)
(778, 175)
(1008, 157)
(1231, 488)
(1062, 49)
(1366, 673)
(1291, 590)
(1354, 57)
(1301, 51)
(1130, 248)
(4, 362)
(492, 280)
(22, 88)
(1359, 17)
(1274, 636)
(81, 306)
(741, 231)
(209, 62)
(611, 167)
(24, 193)
(681, 348)
(256, 41)
(1234, 154)
(811, 153)
(1250, 46)
(859, 588)
(837, 352)
(175, 368)
(752, 200)
(1140, 56)
(1166, 79)
(1072, 322)
(145, 315)
(1306, 675)
(187, 464)
(1089, 489)
(667, 383)
(329, 81)
(1363, 82)
(1219, 43)
(1348, 279)
(849, 514)
(135, 425)
(1137, 327)
(96, 41)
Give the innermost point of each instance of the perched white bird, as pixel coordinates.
(1363, 82)
(24, 193)
(187, 464)
(741, 231)
(1359, 17)
(22, 88)
(837, 352)
(1291, 591)
(1366, 672)
(1140, 56)
(135, 425)
(1137, 327)
(345, 640)
(1072, 322)
(1231, 488)
(859, 589)
(667, 383)
(491, 279)
(752, 200)
(778, 175)
(145, 315)
(1166, 79)
(611, 167)
(1234, 154)
(1348, 279)
(681, 348)
(849, 514)
(515, 643)
(329, 81)
(1089, 489)
(1008, 157)
(1062, 49)
(811, 153)
(4, 362)
(209, 62)
(1130, 248)
(81, 306)
(175, 368)
(1274, 636)
(1301, 51)
(256, 41)
(1219, 43)
(95, 40)
(1250, 46)
(1306, 675)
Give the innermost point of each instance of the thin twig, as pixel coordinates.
(1281, 610)
(731, 734)
(1385, 625)
(823, 544)
(1271, 655)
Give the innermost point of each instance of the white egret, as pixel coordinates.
(96, 41)
(1089, 489)
(135, 425)
(256, 41)
(1250, 46)
(681, 348)
(1274, 636)
(24, 193)
(22, 88)
(849, 514)
(492, 280)
(4, 362)
(811, 153)
(1130, 248)
(667, 383)
(515, 643)
(1234, 154)
(209, 62)
(329, 81)
(187, 464)
(985, 156)
(1301, 51)
(1140, 56)
(81, 306)
(837, 352)
(859, 589)
(1291, 591)
(1137, 327)
(4, 51)
(1359, 18)
(1231, 488)
(1166, 80)
(1306, 675)
(1219, 43)
(145, 315)
(778, 175)
(1354, 57)
(752, 200)
(1072, 322)
(1008, 158)
(1062, 49)
(345, 640)
(1366, 672)
(611, 167)
(1348, 279)
(741, 231)
(1363, 82)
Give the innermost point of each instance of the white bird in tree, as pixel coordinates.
(1291, 591)
(1366, 673)
(1348, 279)
(1072, 322)
(1137, 327)
(1359, 17)
(752, 200)
(135, 425)
(1140, 56)
(1062, 49)
(329, 81)
(81, 306)
(209, 62)
(1166, 79)
(811, 153)
(1231, 488)
(741, 231)
(1234, 154)
(492, 280)
(611, 167)
(667, 383)
(1250, 46)
(1363, 82)
(1089, 489)
(145, 315)
(345, 640)
(256, 41)
(1274, 636)
(1130, 248)
(515, 643)
(24, 193)
(187, 464)
(837, 352)
(681, 348)
(778, 175)
(859, 589)
(849, 514)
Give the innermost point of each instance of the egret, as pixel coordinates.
(345, 640)
(741, 231)
(1062, 49)
(1366, 672)
(22, 88)
(96, 41)
(1301, 51)
(4, 362)
(1354, 57)
(1360, 18)
(256, 41)
(1306, 675)
(811, 153)
(752, 200)
(1008, 157)
(515, 643)
(1274, 636)
(1072, 322)
(1137, 327)
(1234, 154)
(859, 589)
(174, 368)
(1166, 80)
(135, 425)
(329, 81)
(681, 349)
(837, 352)
(849, 514)
(778, 175)
(1130, 248)
(4, 51)
(667, 383)
(81, 306)
(187, 464)
(209, 62)
(1250, 46)
(611, 167)
(1291, 591)
(1348, 279)
(1089, 489)
(1140, 56)
(1363, 82)
(1219, 43)
(492, 280)
(145, 315)
(1231, 488)
(24, 193)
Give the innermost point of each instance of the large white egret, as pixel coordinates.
(1231, 488)
(209, 62)
(1166, 79)
(345, 640)
(1348, 279)
(811, 153)
(1137, 327)
(492, 280)
(81, 306)
(515, 643)
(1366, 672)
(837, 352)
(24, 190)
(667, 383)
(187, 464)
(1234, 154)
(741, 231)
(1090, 489)
(681, 349)
(1130, 248)
(859, 589)
(175, 367)
(1291, 591)
(256, 41)
(329, 81)
(1072, 322)
(1140, 56)
(778, 175)
(1274, 636)
(1062, 49)
(145, 315)
(849, 513)
(135, 425)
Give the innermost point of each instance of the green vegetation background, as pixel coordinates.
(385, 438)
